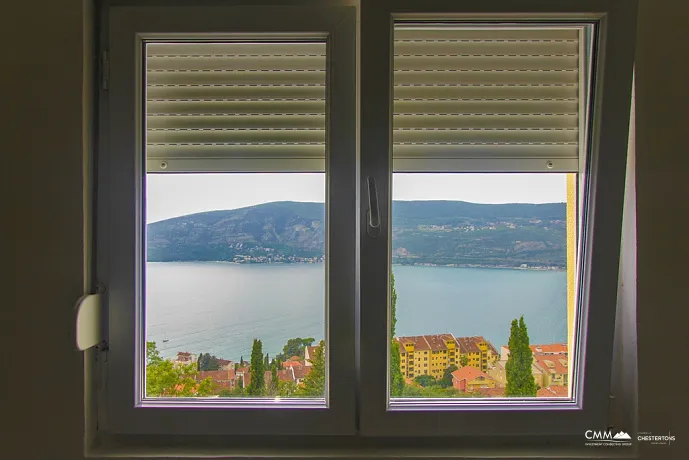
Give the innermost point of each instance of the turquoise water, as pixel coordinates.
(218, 308)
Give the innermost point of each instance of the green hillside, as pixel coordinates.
(424, 232)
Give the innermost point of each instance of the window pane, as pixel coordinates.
(235, 280)
(482, 264)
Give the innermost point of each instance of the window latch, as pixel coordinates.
(373, 213)
(88, 324)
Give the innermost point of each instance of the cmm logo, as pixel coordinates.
(602, 438)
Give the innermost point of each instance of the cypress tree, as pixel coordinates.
(520, 380)
(257, 384)
(396, 379)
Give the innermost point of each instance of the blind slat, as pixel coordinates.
(218, 107)
(479, 95)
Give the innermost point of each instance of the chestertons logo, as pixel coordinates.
(607, 439)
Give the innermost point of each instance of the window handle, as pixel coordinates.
(373, 213)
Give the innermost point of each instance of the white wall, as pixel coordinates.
(43, 103)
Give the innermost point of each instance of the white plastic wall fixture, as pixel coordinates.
(88, 321)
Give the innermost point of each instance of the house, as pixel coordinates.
(308, 355)
(499, 373)
(550, 364)
(555, 370)
(225, 364)
(469, 378)
(553, 391)
(223, 379)
(289, 364)
(185, 358)
(300, 373)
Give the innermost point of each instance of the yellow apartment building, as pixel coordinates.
(432, 354)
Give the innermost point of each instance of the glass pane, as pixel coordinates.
(235, 279)
(482, 264)
(235, 282)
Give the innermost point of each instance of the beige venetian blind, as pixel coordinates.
(486, 99)
(214, 107)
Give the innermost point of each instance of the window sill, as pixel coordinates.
(351, 447)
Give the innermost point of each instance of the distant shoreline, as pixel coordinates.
(538, 268)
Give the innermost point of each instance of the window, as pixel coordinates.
(477, 107)
(258, 234)
(232, 144)
(235, 128)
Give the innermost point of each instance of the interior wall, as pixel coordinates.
(662, 162)
(44, 97)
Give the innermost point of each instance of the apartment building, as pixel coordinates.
(433, 354)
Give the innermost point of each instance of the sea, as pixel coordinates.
(220, 307)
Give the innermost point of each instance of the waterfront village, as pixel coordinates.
(481, 369)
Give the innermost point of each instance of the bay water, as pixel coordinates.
(219, 307)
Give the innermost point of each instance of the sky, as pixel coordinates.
(172, 195)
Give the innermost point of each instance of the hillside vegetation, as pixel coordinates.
(423, 232)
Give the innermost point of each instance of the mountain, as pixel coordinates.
(424, 232)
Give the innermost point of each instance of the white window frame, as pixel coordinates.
(121, 235)
(359, 298)
(599, 250)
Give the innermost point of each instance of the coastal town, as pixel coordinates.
(479, 368)
(231, 376)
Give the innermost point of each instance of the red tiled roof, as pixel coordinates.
(186, 354)
(244, 370)
(553, 391)
(551, 364)
(287, 364)
(491, 347)
(418, 341)
(216, 376)
(467, 345)
(491, 392)
(295, 358)
(224, 362)
(469, 373)
(437, 341)
(309, 351)
(550, 348)
(286, 375)
(433, 342)
(301, 372)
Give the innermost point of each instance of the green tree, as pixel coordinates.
(314, 383)
(446, 381)
(206, 362)
(396, 378)
(274, 381)
(266, 362)
(425, 380)
(295, 347)
(520, 380)
(464, 360)
(287, 388)
(257, 383)
(165, 378)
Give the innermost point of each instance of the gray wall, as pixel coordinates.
(43, 396)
